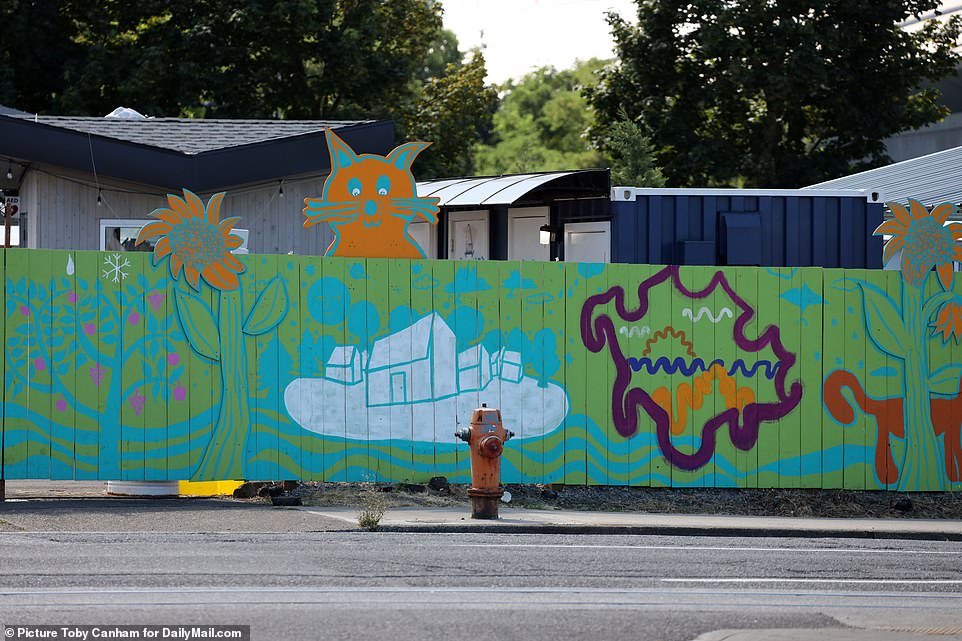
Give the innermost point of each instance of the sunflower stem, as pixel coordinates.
(223, 458)
(923, 460)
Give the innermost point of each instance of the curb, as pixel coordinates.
(662, 530)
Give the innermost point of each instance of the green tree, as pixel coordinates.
(773, 93)
(454, 112)
(632, 158)
(541, 124)
(221, 58)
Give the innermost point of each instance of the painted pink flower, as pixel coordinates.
(173, 359)
(40, 364)
(134, 318)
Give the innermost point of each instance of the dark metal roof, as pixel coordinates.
(514, 188)
(191, 135)
(202, 155)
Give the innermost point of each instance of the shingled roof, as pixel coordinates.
(192, 135)
(182, 152)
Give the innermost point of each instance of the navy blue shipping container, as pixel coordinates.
(765, 227)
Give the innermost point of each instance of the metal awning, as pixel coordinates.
(507, 190)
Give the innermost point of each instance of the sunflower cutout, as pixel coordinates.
(948, 321)
(925, 240)
(196, 240)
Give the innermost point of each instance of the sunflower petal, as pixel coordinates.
(220, 277)
(918, 210)
(179, 206)
(943, 211)
(892, 226)
(891, 247)
(945, 273)
(231, 262)
(161, 249)
(900, 213)
(196, 205)
(227, 225)
(233, 242)
(193, 277)
(167, 215)
(152, 229)
(213, 207)
(175, 264)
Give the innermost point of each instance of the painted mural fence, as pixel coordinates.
(362, 369)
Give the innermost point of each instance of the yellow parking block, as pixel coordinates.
(208, 488)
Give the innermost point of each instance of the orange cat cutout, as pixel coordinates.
(369, 201)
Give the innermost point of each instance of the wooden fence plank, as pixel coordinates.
(811, 356)
(853, 355)
(422, 305)
(576, 380)
(790, 426)
(553, 348)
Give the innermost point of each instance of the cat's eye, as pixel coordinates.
(354, 186)
(383, 185)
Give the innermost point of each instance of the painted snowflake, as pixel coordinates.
(114, 267)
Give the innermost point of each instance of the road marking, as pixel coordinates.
(773, 579)
(710, 548)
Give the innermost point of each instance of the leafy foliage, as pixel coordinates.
(541, 124)
(454, 111)
(769, 93)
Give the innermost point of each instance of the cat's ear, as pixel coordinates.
(403, 156)
(341, 153)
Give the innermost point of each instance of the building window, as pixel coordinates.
(120, 235)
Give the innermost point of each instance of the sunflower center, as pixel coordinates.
(197, 242)
(929, 243)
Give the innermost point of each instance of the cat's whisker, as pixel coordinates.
(426, 208)
(318, 211)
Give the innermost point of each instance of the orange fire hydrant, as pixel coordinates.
(486, 436)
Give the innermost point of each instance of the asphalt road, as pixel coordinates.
(356, 585)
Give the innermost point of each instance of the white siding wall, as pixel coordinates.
(62, 211)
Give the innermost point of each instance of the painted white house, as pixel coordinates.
(511, 368)
(346, 365)
(417, 364)
(474, 368)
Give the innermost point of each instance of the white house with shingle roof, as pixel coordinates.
(90, 182)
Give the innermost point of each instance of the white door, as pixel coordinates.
(425, 235)
(524, 234)
(468, 235)
(588, 242)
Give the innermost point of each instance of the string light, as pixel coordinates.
(280, 188)
(9, 171)
(100, 200)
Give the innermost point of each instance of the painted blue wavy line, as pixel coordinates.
(679, 364)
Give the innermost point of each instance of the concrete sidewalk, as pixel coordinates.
(516, 520)
(513, 520)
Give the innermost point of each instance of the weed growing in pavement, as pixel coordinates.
(373, 505)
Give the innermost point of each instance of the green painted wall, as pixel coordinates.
(362, 369)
